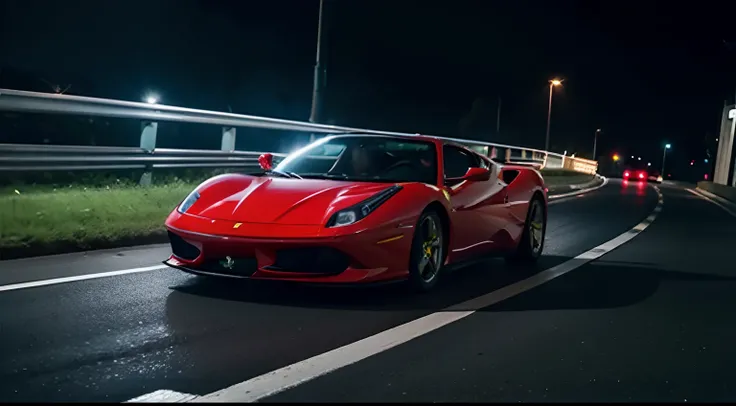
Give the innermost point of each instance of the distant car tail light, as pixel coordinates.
(641, 175)
(626, 174)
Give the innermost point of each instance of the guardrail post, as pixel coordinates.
(508, 154)
(228, 139)
(148, 143)
(523, 154)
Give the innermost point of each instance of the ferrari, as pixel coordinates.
(361, 209)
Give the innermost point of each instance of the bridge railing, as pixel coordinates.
(25, 157)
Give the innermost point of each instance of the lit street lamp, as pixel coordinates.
(664, 155)
(151, 98)
(552, 84)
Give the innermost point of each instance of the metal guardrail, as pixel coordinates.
(21, 157)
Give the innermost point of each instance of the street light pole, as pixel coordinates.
(314, 115)
(552, 84)
(549, 116)
(595, 141)
(664, 156)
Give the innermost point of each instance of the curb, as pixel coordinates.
(725, 204)
(718, 198)
(559, 190)
(714, 195)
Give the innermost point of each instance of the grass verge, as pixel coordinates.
(45, 221)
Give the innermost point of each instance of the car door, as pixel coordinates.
(475, 204)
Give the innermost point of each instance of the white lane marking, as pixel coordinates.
(271, 383)
(554, 198)
(163, 396)
(47, 282)
(704, 194)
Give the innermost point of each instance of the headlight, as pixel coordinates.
(356, 213)
(188, 202)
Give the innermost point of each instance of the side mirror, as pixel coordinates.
(266, 161)
(475, 175)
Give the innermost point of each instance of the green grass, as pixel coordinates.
(83, 216)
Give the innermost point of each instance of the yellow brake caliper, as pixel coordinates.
(427, 246)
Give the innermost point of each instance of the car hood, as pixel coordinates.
(285, 201)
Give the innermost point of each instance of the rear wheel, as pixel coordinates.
(531, 243)
(427, 252)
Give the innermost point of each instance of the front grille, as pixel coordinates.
(318, 260)
(182, 249)
(243, 266)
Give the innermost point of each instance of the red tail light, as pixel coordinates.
(626, 174)
(641, 175)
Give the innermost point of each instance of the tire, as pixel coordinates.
(427, 252)
(531, 243)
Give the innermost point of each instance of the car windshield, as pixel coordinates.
(364, 158)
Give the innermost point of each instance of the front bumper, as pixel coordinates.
(287, 252)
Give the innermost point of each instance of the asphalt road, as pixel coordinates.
(650, 320)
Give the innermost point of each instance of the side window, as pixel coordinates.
(457, 161)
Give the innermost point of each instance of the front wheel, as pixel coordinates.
(427, 252)
(531, 243)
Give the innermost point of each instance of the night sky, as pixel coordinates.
(644, 72)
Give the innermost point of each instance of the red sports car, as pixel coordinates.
(641, 174)
(357, 208)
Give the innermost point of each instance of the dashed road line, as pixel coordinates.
(163, 396)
